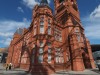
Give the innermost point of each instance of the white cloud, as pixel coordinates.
(93, 31)
(6, 34)
(96, 13)
(49, 1)
(8, 27)
(92, 24)
(1, 41)
(30, 3)
(11, 25)
(25, 20)
(7, 41)
(19, 9)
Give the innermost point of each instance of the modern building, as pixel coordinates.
(53, 42)
(3, 55)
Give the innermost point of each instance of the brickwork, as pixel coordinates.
(52, 42)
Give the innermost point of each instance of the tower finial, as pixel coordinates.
(44, 2)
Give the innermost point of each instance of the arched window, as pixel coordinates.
(41, 44)
(78, 37)
(49, 21)
(33, 55)
(49, 26)
(49, 30)
(49, 55)
(42, 19)
(41, 29)
(49, 44)
(40, 57)
(58, 34)
(76, 31)
(59, 55)
(49, 52)
(42, 25)
(41, 51)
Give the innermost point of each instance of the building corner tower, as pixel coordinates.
(42, 30)
(67, 15)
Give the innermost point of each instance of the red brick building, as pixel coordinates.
(52, 42)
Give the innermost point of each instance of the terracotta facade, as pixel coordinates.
(52, 42)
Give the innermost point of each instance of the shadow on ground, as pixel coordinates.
(96, 70)
(14, 73)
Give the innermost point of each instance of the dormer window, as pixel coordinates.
(60, 1)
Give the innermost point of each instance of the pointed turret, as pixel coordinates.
(44, 2)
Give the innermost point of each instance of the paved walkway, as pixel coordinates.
(86, 72)
(22, 72)
(11, 72)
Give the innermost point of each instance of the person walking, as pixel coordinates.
(10, 66)
(7, 66)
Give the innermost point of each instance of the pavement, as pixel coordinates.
(12, 72)
(22, 72)
(85, 72)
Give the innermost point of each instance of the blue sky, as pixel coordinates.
(18, 13)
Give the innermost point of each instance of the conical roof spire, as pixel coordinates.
(44, 2)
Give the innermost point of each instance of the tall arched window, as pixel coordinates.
(49, 52)
(58, 34)
(42, 25)
(78, 37)
(49, 26)
(41, 44)
(33, 55)
(40, 57)
(78, 34)
(41, 51)
(49, 30)
(59, 56)
(49, 55)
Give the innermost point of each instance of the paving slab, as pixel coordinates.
(85, 72)
(23, 72)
